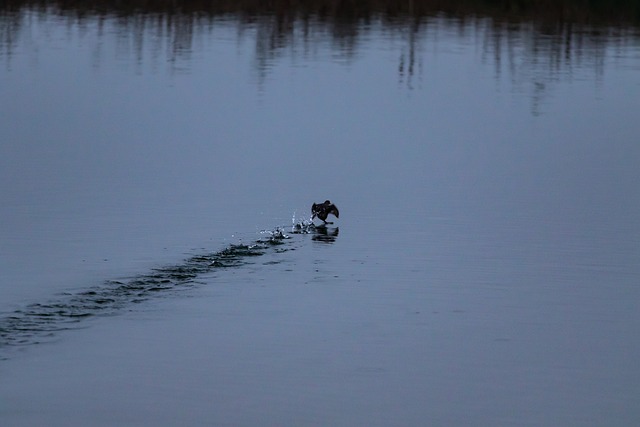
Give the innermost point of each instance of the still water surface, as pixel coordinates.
(484, 269)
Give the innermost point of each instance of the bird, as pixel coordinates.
(321, 210)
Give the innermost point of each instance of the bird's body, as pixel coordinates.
(322, 210)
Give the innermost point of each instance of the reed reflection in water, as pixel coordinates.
(534, 44)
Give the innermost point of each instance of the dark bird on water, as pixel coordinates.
(321, 210)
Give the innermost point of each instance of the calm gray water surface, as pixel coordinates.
(484, 270)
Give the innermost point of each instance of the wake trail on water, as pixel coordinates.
(40, 322)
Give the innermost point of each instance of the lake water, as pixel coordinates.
(484, 269)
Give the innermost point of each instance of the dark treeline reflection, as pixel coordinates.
(579, 11)
(556, 33)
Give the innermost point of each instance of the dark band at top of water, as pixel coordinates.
(39, 322)
(592, 12)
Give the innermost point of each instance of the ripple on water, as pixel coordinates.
(39, 322)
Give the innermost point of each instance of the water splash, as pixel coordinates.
(276, 235)
(302, 226)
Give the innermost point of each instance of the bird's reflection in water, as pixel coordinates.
(324, 234)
